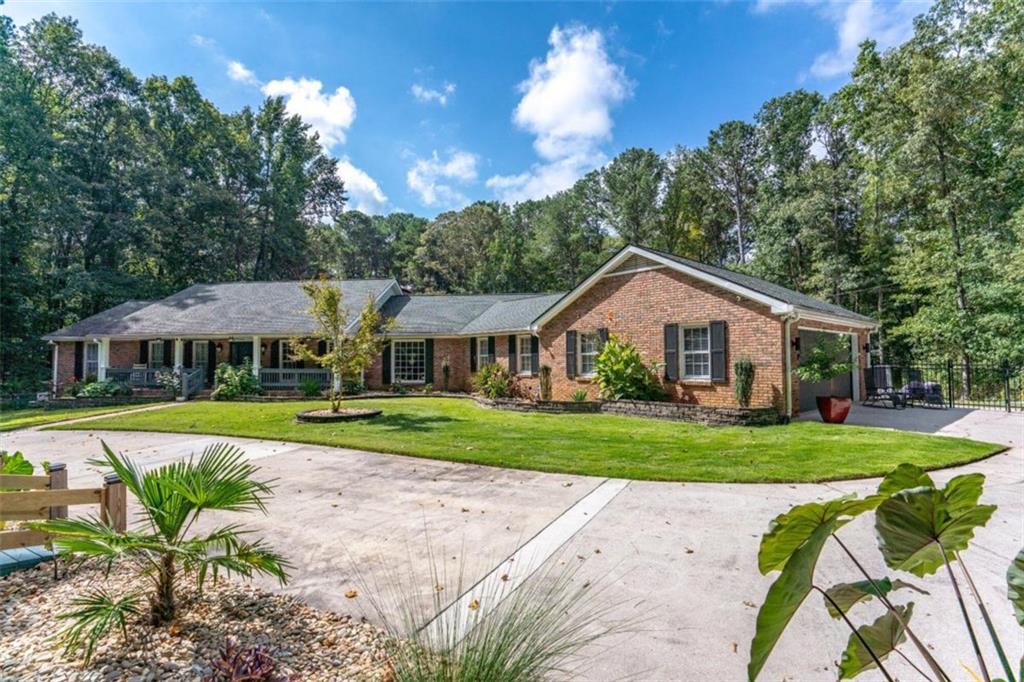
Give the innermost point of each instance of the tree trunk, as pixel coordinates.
(162, 605)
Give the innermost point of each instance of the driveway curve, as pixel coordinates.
(681, 557)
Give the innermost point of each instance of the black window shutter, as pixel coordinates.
(143, 352)
(211, 361)
(671, 352)
(490, 348)
(187, 361)
(428, 360)
(275, 354)
(570, 353)
(534, 355)
(513, 352)
(602, 338)
(79, 360)
(718, 345)
(168, 353)
(472, 354)
(386, 364)
(321, 347)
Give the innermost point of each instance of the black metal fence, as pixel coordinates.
(997, 386)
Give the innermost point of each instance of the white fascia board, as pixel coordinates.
(814, 316)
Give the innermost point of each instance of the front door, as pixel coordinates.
(240, 350)
(201, 357)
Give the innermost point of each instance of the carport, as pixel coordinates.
(841, 386)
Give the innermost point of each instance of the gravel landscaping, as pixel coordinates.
(306, 643)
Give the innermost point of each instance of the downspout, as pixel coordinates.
(788, 320)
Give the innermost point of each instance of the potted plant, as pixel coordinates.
(823, 363)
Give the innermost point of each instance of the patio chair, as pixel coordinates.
(880, 388)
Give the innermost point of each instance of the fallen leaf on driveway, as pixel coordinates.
(567, 484)
(351, 594)
(504, 578)
(474, 605)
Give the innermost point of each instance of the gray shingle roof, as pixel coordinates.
(271, 308)
(767, 288)
(466, 314)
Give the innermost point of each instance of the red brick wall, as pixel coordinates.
(124, 353)
(637, 306)
(456, 349)
(65, 364)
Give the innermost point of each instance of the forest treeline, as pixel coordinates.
(901, 195)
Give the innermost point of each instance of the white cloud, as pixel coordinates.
(330, 115)
(425, 94)
(888, 23)
(432, 178)
(237, 71)
(202, 41)
(364, 193)
(566, 105)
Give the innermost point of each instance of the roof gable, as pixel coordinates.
(779, 299)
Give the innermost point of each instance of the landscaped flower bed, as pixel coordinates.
(306, 643)
(328, 415)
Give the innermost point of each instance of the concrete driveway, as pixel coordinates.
(680, 556)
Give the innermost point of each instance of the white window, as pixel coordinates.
(156, 354)
(695, 349)
(483, 348)
(409, 362)
(589, 349)
(287, 360)
(525, 354)
(92, 359)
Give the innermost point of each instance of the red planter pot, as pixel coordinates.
(833, 410)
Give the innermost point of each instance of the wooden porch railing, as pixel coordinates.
(292, 378)
(35, 498)
(141, 377)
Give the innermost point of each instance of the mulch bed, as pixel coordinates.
(306, 643)
(343, 415)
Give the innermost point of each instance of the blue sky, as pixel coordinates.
(431, 106)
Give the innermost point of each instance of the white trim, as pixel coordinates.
(855, 370)
(580, 374)
(683, 376)
(491, 359)
(634, 270)
(787, 354)
(812, 316)
(56, 357)
(519, 354)
(394, 377)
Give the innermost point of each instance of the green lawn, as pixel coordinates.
(599, 445)
(34, 416)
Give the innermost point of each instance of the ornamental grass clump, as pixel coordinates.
(921, 529)
(513, 629)
(162, 547)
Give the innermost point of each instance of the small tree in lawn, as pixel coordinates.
(346, 355)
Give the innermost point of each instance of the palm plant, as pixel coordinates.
(161, 546)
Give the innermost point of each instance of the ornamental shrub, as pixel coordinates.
(744, 372)
(310, 387)
(494, 381)
(103, 389)
(235, 382)
(623, 375)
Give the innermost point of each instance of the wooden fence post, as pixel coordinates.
(114, 504)
(58, 481)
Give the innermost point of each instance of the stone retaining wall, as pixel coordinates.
(65, 403)
(698, 414)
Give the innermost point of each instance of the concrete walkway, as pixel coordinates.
(680, 556)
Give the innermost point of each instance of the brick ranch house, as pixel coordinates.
(694, 319)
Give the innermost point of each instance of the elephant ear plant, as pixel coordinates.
(921, 529)
(162, 547)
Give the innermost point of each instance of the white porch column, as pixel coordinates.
(179, 353)
(855, 353)
(104, 359)
(53, 386)
(256, 356)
